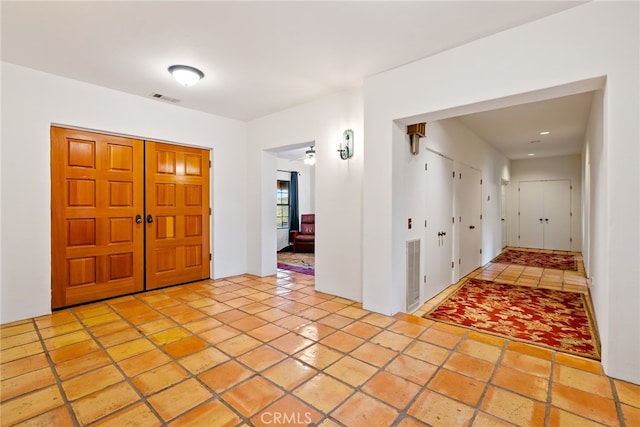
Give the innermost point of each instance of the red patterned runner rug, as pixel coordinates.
(537, 259)
(553, 319)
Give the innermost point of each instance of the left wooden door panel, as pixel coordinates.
(97, 246)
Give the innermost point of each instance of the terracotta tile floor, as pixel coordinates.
(273, 351)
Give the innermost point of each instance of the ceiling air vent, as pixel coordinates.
(164, 97)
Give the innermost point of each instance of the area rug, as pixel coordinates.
(538, 259)
(553, 319)
(298, 262)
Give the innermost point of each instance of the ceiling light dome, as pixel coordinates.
(186, 75)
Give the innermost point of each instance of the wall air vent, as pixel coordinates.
(164, 97)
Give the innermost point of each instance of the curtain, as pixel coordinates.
(294, 215)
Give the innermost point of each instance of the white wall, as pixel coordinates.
(31, 102)
(552, 168)
(306, 194)
(536, 61)
(338, 189)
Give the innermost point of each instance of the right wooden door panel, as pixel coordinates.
(177, 209)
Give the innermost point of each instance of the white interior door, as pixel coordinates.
(470, 226)
(439, 229)
(531, 209)
(557, 215)
(545, 214)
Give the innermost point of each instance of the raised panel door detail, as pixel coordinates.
(166, 227)
(120, 193)
(193, 165)
(193, 256)
(166, 162)
(82, 231)
(120, 266)
(166, 259)
(97, 187)
(81, 153)
(121, 230)
(193, 195)
(82, 271)
(192, 225)
(166, 194)
(82, 192)
(120, 158)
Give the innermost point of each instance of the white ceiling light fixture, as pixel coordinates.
(310, 156)
(545, 132)
(186, 75)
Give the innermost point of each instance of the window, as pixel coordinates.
(282, 201)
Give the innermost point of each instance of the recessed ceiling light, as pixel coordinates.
(186, 75)
(531, 154)
(545, 132)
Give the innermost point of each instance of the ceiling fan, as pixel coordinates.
(309, 157)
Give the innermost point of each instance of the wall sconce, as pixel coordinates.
(346, 146)
(415, 131)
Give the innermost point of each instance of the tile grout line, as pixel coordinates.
(66, 402)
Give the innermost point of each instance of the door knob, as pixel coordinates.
(546, 220)
(540, 219)
(138, 219)
(472, 227)
(149, 218)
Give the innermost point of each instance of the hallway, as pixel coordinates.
(266, 351)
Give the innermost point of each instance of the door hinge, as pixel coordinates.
(452, 264)
(570, 239)
(454, 174)
(480, 251)
(570, 213)
(480, 216)
(453, 220)
(459, 260)
(460, 175)
(518, 236)
(209, 164)
(209, 256)
(209, 211)
(480, 182)
(425, 223)
(425, 166)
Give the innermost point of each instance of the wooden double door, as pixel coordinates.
(126, 215)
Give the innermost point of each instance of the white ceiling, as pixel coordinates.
(258, 57)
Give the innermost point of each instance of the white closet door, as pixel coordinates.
(545, 214)
(557, 215)
(469, 216)
(439, 230)
(531, 231)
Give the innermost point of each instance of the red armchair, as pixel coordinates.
(304, 240)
